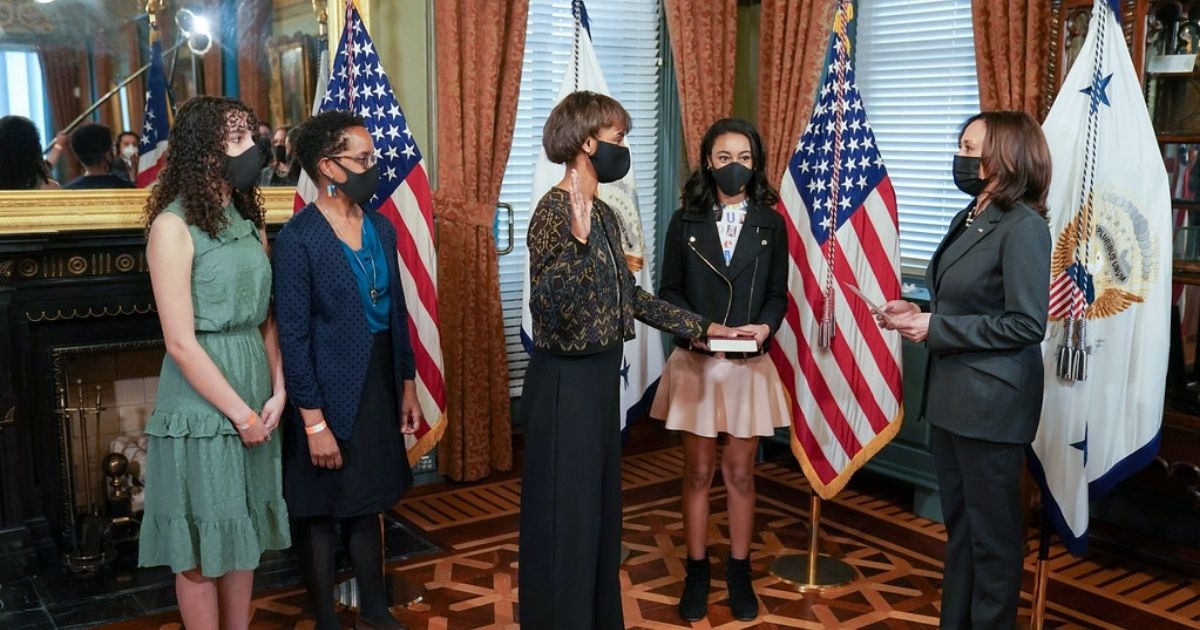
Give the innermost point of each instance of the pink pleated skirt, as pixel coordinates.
(707, 396)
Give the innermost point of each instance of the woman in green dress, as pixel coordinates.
(214, 501)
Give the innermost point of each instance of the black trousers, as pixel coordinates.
(571, 494)
(980, 490)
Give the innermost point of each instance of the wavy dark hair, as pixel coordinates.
(196, 161)
(700, 191)
(1016, 157)
(21, 163)
(321, 136)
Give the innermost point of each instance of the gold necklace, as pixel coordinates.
(372, 291)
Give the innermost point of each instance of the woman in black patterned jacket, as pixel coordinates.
(583, 300)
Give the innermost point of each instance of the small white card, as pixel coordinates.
(878, 310)
(732, 345)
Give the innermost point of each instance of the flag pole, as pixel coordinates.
(1041, 580)
(812, 572)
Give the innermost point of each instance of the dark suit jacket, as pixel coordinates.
(751, 290)
(989, 297)
(323, 329)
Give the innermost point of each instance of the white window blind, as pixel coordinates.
(625, 35)
(21, 90)
(916, 73)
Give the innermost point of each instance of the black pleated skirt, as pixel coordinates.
(375, 471)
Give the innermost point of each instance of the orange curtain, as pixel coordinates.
(795, 39)
(253, 84)
(703, 41)
(1011, 37)
(135, 92)
(479, 48)
(214, 77)
(65, 69)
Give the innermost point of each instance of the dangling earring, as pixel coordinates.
(331, 190)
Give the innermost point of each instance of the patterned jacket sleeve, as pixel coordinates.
(292, 278)
(666, 316)
(560, 267)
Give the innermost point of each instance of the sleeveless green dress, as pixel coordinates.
(211, 504)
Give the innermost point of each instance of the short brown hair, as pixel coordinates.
(1016, 157)
(577, 117)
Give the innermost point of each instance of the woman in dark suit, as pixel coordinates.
(725, 257)
(348, 365)
(583, 300)
(989, 296)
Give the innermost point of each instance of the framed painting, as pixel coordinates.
(293, 78)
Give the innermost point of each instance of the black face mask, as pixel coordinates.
(966, 175)
(732, 178)
(281, 154)
(611, 161)
(243, 170)
(359, 187)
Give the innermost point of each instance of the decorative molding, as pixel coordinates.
(95, 263)
(55, 211)
(24, 16)
(90, 313)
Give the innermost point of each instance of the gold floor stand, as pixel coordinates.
(811, 571)
(830, 572)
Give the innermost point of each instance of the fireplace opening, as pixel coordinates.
(104, 397)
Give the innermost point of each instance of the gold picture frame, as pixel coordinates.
(55, 211)
(293, 78)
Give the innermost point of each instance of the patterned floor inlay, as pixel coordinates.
(897, 555)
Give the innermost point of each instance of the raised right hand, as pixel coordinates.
(324, 451)
(581, 211)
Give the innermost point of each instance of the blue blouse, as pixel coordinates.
(370, 269)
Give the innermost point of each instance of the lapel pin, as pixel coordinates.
(764, 242)
(691, 239)
(980, 229)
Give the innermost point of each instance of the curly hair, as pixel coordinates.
(321, 136)
(699, 193)
(195, 172)
(21, 163)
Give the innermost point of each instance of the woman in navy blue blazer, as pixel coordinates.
(348, 367)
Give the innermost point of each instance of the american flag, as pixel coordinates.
(1071, 292)
(156, 120)
(840, 211)
(359, 84)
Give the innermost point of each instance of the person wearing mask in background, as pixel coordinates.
(725, 257)
(126, 165)
(583, 300)
(285, 171)
(214, 496)
(989, 296)
(21, 163)
(93, 145)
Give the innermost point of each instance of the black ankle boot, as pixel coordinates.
(742, 601)
(693, 605)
